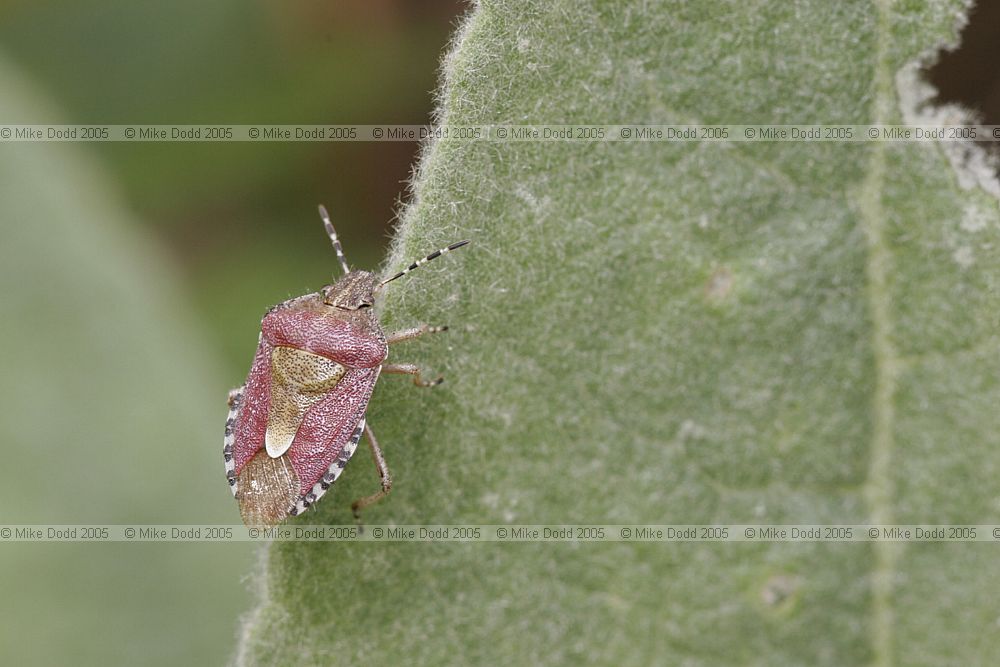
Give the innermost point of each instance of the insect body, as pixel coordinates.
(297, 420)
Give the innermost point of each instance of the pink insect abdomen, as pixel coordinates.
(328, 424)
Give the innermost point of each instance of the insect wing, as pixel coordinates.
(330, 430)
(248, 414)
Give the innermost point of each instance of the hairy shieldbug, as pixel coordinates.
(299, 416)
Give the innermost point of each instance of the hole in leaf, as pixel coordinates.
(968, 76)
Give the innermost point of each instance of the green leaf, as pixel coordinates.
(112, 414)
(678, 333)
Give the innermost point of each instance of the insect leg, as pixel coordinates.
(410, 334)
(414, 370)
(383, 473)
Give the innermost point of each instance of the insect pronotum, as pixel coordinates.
(299, 416)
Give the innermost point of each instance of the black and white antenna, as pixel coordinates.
(332, 233)
(433, 255)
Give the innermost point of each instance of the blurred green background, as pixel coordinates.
(134, 277)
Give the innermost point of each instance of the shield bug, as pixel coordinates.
(298, 418)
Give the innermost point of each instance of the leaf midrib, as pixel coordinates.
(879, 486)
